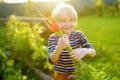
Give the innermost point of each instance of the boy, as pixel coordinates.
(59, 57)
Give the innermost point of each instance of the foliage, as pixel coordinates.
(88, 72)
(99, 8)
(112, 9)
(22, 44)
(7, 68)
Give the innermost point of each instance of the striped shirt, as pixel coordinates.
(77, 40)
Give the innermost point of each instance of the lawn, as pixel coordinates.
(103, 33)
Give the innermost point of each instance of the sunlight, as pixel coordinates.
(47, 0)
(41, 0)
(22, 1)
(15, 1)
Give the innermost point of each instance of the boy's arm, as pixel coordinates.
(78, 54)
(55, 55)
(85, 50)
(89, 49)
(62, 43)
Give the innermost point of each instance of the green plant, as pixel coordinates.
(23, 44)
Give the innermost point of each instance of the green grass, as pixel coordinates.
(103, 33)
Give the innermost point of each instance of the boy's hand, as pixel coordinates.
(63, 41)
(78, 54)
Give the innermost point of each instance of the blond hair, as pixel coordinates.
(57, 12)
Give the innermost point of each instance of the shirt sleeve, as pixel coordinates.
(52, 42)
(84, 42)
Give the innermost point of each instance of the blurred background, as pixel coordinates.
(24, 36)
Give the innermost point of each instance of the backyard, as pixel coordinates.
(24, 47)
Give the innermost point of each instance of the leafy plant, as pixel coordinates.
(23, 44)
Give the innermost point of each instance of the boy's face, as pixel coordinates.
(66, 21)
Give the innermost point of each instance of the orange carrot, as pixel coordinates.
(53, 25)
(49, 25)
(56, 25)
